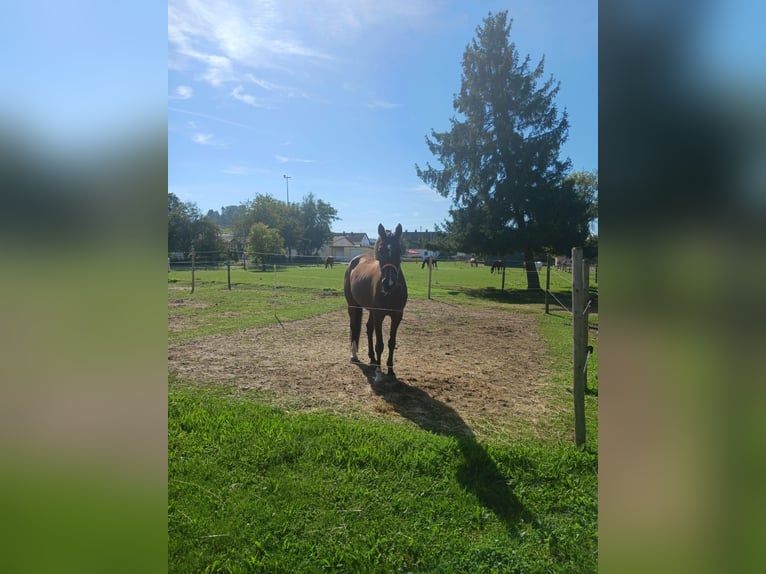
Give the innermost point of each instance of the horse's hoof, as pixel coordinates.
(378, 377)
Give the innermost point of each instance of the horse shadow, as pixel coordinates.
(478, 473)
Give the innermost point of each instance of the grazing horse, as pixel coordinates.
(472, 261)
(498, 264)
(329, 261)
(376, 284)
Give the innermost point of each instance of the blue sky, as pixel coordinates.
(340, 94)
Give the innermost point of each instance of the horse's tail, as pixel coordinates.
(354, 309)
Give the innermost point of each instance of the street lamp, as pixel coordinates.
(287, 185)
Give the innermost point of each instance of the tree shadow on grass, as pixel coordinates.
(524, 297)
(478, 473)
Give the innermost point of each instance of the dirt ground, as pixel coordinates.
(459, 370)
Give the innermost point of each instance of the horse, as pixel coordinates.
(430, 261)
(329, 261)
(472, 262)
(498, 264)
(377, 284)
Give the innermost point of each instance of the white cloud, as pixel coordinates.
(239, 93)
(203, 139)
(207, 117)
(229, 39)
(383, 105)
(182, 93)
(220, 33)
(285, 159)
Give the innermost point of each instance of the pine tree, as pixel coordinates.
(500, 158)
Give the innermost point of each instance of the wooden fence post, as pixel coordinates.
(580, 344)
(586, 303)
(192, 254)
(430, 264)
(547, 282)
(228, 268)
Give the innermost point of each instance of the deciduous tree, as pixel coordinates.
(264, 243)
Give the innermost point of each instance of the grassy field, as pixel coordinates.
(258, 298)
(255, 488)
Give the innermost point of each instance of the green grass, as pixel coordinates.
(255, 488)
(258, 298)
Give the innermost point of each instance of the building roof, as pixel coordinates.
(350, 239)
(356, 238)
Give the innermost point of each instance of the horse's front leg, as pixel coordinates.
(396, 318)
(370, 348)
(378, 345)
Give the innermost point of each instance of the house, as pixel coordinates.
(346, 246)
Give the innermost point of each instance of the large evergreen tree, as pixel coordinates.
(500, 158)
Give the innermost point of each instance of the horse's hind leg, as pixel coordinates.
(355, 320)
(396, 318)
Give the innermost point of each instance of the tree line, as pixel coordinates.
(260, 226)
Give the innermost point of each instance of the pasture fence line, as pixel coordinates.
(580, 341)
(201, 261)
(178, 261)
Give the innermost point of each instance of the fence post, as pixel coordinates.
(579, 358)
(228, 267)
(192, 254)
(547, 282)
(586, 300)
(430, 264)
(502, 284)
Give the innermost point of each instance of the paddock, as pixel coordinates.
(282, 337)
(489, 367)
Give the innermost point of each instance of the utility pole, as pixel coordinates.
(287, 185)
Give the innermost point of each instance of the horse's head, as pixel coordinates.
(388, 251)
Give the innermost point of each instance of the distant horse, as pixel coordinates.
(430, 260)
(472, 261)
(498, 264)
(377, 284)
(329, 262)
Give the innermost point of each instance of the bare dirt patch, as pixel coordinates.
(458, 369)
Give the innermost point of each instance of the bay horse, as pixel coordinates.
(377, 284)
(329, 262)
(498, 264)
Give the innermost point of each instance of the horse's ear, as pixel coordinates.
(381, 230)
(398, 232)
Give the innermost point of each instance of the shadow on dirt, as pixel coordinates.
(478, 473)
